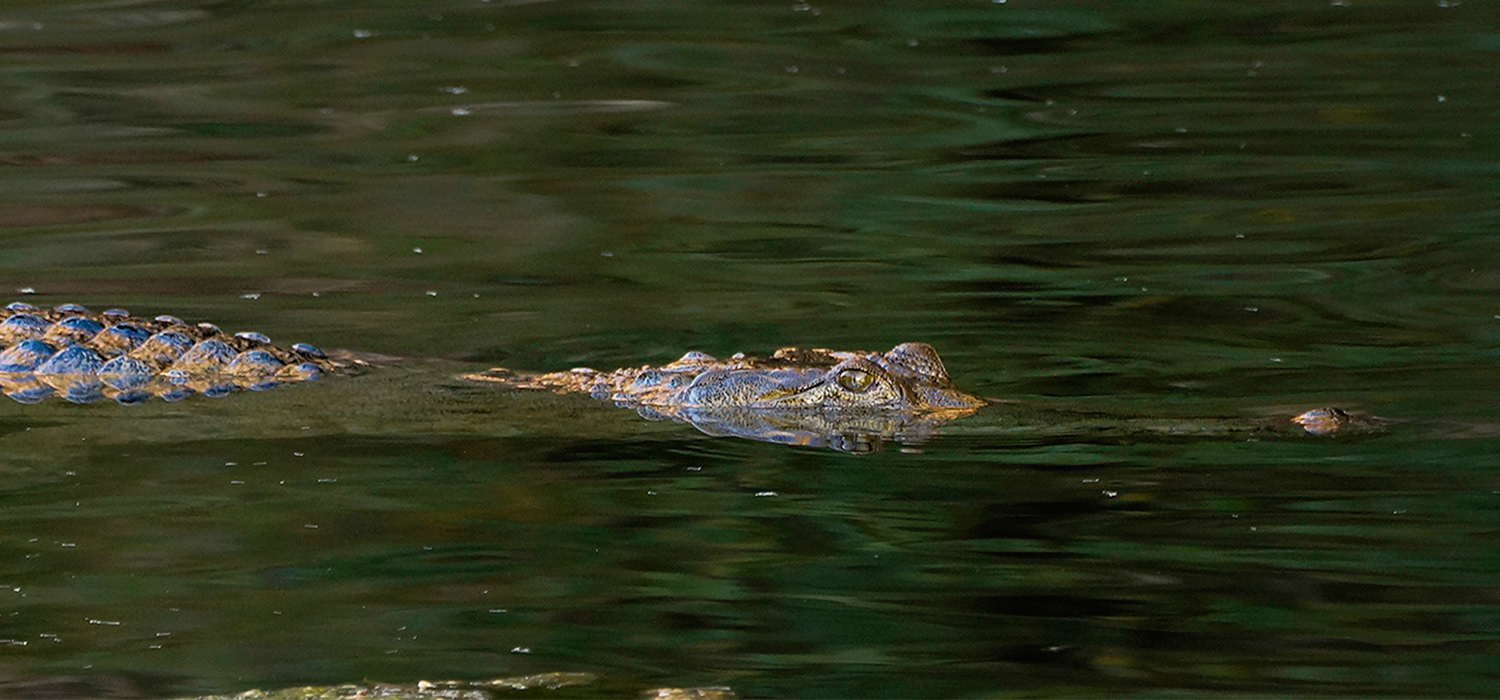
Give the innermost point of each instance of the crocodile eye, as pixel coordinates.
(856, 380)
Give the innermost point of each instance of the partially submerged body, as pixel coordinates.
(848, 400)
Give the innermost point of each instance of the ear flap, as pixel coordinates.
(920, 360)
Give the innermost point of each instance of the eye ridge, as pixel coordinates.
(856, 380)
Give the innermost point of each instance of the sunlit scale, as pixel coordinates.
(163, 348)
(253, 336)
(22, 326)
(25, 356)
(120, 339)
(207, 356)
(77, 329)
(76, 355)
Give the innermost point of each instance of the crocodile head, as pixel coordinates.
(846, 400)
(910, 377)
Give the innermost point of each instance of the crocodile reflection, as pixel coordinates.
(848, 400)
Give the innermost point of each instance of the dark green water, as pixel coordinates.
(1150, 210)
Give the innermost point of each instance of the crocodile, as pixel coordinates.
(848, 400)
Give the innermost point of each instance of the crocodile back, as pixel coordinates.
(74, 354)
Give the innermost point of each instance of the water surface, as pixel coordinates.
(1167, 212)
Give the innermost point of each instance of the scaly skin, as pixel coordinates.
(80, 356)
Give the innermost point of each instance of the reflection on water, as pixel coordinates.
(1148, 227)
